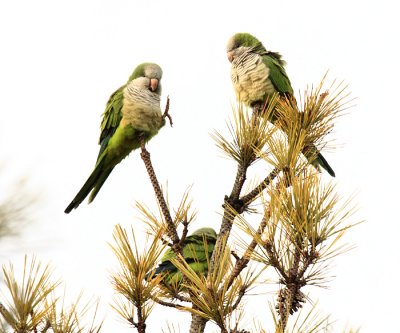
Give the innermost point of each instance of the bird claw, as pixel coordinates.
(166, 114)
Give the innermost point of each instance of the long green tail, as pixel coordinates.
(317, 159)
(94, 182)
(324, 163)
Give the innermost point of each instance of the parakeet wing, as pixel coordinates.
(111, 117)
(193, 252)
(277, 74)
(195, 249)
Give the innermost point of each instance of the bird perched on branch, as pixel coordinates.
(197, 251)
(132, 115)
(257, 75)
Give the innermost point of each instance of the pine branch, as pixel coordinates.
(253, 194)
(242, 262)
(232, 206)
(197, 324)
(250, 133)
(239, 181)
(273, 259)
(145, 155)
(167, 304)
(141, 324)
(184, 233)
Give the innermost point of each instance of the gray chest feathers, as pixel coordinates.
(250, 78)
(141, 109)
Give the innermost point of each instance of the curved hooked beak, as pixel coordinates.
(230, 56)
(153, 84)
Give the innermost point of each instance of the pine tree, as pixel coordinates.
(288, 226)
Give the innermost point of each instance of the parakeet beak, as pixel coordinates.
(153, 84)
(230, 56)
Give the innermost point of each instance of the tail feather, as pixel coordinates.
(103, 177)
(317, 160)
(324, 163)
(94, 182)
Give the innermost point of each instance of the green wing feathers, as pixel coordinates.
(111, 118)
(277, 73)
(109, 124)
(197, 251)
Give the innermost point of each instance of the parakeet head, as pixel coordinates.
(243, 42)
(208, 232)
(147, 75)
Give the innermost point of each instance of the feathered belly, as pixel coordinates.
(144, 118)
(142, 115)
(251, 81)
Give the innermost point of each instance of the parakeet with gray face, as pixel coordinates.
(132, 114)
(257, 74)
(198, 247)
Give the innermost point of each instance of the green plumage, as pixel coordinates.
(258, 74)
(197, 251)
(132, 113)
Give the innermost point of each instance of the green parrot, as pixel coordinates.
(132, 114)
(194, 252)
(257, 74)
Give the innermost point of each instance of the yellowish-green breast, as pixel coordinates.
(141, 109)
(250, 78)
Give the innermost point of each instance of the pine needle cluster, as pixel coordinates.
(31, 305)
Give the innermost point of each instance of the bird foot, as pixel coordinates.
(166, 114)
(258, 108)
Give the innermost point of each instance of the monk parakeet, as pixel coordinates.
(195, 253)
(257, 74)
(132, 114)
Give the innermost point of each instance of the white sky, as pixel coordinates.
(60, 61)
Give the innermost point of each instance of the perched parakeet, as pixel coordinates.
(194, 252)
(132, 114)
(257, 74)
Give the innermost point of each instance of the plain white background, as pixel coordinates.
(60, 61)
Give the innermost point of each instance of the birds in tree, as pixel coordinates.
(257, 75)
(132, 116)
(197, 251)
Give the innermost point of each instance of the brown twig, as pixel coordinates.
(249, 197)
(244, 260)
(239, 181)
(141, 324)
(290, 298)
(198, 323)
(234, 254)
(273, 259)
(184, 233)
(228, 217)
(241, 293)
(171, 229)
(168, 304)
(46, 327)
